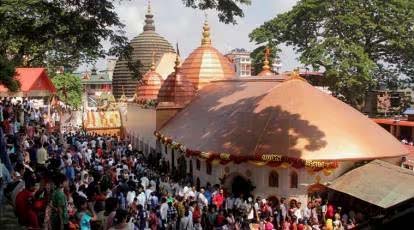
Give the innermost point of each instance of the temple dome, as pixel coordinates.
(149, 86)
(142, 47)
(176, 89)
(206, 63)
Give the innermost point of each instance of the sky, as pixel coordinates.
(178, 23)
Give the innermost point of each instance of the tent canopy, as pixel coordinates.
(378, 182)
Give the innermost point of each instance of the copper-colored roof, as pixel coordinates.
(176, 89)
(292, 118)
(149, 86)
(206, 63)
(143, 46)
(266, 73)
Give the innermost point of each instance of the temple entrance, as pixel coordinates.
(238, 184)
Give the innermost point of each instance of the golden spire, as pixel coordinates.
(206, 41)
(266, 61)
(153, 61)
(295, 74)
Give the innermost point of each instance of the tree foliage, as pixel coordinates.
(53, 33)
(69, 89)
(359, 44)
(227, 10)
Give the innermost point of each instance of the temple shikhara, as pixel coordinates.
(143, 46)
(268, 135)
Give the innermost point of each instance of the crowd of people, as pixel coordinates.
(78, 180)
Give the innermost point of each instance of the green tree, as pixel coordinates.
(359, 44)
(69, 89)
(53, 33)
(227, 10)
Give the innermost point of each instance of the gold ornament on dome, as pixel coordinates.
(295, 74)
(206, 34)
(266, 61)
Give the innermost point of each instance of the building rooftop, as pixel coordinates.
(394, 186)
(291, 118)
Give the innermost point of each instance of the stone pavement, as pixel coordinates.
(8, 221)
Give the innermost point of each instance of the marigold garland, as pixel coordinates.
(272, 160)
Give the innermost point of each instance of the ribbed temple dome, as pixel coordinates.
(149, 87)
(143, 46)
(206, 63)
(176, 89)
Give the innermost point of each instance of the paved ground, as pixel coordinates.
(8, 221)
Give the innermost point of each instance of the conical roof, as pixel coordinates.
(149, 86)
(176, 89)
(246, 117)
(206, 63)
(143, 45)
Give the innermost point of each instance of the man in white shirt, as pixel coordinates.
(142, 199)
(164, 211)
(202, 200)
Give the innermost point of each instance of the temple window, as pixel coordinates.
(273, 179)
(208, 168)
(293, 179)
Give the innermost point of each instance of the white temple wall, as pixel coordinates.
(140, 126)
(259, 175)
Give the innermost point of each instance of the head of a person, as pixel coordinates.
(298, 204)
(30, 183)
(60, 180)
(120, 216)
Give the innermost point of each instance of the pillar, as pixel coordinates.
(398, 132)
(412, 134)
(392, 130)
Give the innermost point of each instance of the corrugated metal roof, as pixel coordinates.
(378, 182)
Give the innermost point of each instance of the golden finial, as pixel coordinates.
(153, 61)
(206, 33)
(266, 61)
(295, 74)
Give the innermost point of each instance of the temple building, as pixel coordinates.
(267, 135)
(206, 63)
(143, 46)
(280, 137)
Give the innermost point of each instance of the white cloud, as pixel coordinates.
(183, 25)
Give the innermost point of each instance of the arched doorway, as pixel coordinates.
(237, 184)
